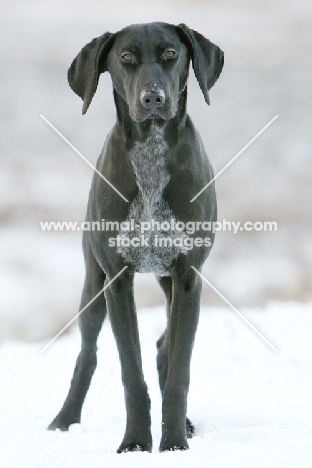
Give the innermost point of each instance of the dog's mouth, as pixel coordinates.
(159, 114)
(156, 116)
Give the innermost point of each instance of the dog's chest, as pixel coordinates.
(150, 246)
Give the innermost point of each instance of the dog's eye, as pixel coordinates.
(127, 57)
(170, 54)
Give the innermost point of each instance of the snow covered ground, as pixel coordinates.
(251, 407)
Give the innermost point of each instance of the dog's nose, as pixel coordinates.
(152, 100)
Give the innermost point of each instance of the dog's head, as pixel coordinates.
(149, 66)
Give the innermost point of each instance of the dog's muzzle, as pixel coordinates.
(153, 101)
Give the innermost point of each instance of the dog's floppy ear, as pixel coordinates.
(207, 58)
(83, 74)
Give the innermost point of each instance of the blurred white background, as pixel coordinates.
(268, 71)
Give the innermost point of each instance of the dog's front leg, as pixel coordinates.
(90, 323)
(182, 327)
(120, 302)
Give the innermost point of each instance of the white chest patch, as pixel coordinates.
(158, 248)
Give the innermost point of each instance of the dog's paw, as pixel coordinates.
(171, 444)
(136, 441)
(131, 448)
(172, 447)
(134, 448)
(190, 429)
(61, 422)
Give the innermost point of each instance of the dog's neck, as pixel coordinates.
(148, 144)
(148, 159)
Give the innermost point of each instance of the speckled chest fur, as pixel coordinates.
(158, 248)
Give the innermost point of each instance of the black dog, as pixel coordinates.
(156, 159)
